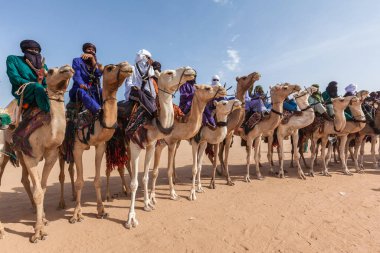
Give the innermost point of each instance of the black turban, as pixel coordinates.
(332, 89)
(87, 45)
(156, 66)
(25, 44)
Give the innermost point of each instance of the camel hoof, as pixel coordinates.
(260, 177)
(311, 174)
(33, 239)
(348, 173)
(302, 176)
(230, 183)
(102, 215)
(174, 196)
(281, 175)
(200, 190)
(247, 179)
(148, 206)
(153, 199)
(192, 196)
(132, 221)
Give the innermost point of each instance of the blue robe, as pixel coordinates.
(92, 97)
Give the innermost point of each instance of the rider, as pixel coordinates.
(139, 87)
(350, 91)
(27, 76)
(330, 93)
(316, 102)
(86, 88)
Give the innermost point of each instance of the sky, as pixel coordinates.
(295, 41)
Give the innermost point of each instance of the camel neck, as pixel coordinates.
(166, 115)
(339, 120)
(109, 107)
(278, 107)
(196, 112)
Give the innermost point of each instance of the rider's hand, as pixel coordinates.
(83, 86)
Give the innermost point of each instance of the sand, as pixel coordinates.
(321, 214)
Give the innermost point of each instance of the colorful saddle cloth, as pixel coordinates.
(32, 119)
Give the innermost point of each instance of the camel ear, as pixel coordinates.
(157, 73)
(197, 87)
(237, 79)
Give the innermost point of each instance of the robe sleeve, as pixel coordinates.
(77, 75)
(13, 74)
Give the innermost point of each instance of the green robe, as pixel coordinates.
(19, 73)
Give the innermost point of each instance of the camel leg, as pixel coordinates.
(148, 205)
(227, 147)
(99, 152)
(125, 187)
(25, 181)
(270, 153)
(292, 151)
(373, 151)
(173, 194)
(71, 173)
(2, 231)
(301, 152)
(257, 157)
(358, 143)
(343, 140)
(175, 178)
(281, 155)
(221, 158)
(361, 156)
(325, 170)
(201, 152)
(194, 147)
(214, 167)
(108, 195)
(79, 182)
(313, 150)
(249, 150)
(2, 167)
(62, 204)
(135, 152)
(157, 155)
(295, 137)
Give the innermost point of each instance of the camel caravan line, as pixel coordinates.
(64, 134)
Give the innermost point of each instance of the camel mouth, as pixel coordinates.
(66, 69)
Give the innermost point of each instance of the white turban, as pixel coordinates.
(351, 88)
(215, 80)
(142, 55)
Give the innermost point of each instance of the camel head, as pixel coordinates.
(57, 79)
(206, 93)
(362, 95)
(225, 107)
(355, 106)
(341, 103)
(281, 91)
(169, 81)
(245, 82)
(114, 75)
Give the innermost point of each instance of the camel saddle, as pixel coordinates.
(318, 123)
(32, 119)
(252, 121)
(289, 114)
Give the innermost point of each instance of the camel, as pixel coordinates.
(184, 131)
(291, 129)
(268, 125)
(370, 131)
(52, 135)
(339, 127)
(113, 77)
(213, 137)
(169, 82)
(352, 127)
(234, 121)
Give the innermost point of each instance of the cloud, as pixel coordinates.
(222, 2)
(233, 61)
(235, 37)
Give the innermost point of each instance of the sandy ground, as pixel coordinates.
(321, 214)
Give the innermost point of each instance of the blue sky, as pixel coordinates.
(297, 41)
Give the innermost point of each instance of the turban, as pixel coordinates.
(215, 80)
(332, 89)
(315, 85)
(87, 45)
(142, 55)
(25, 44)
(351, 88)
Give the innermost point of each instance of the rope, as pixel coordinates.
(20, 92)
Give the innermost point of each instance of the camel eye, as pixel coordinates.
(208, 88)
(51, 71)
(110, 68)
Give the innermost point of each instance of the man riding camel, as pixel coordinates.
(330, 93)
(27, 76)
(316, 102)
(86, 88)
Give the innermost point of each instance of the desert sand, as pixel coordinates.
(321, 214)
